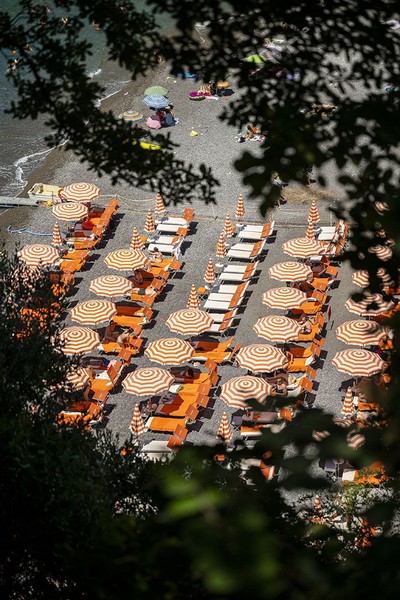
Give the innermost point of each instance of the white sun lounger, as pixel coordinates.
(233, 268)
(234, 276)
(221, 317)
(169, 227)
(220, 297)
(256, 232)
(223, 305)
(230, 289)
(246, 251)
(163, 248)
(172, 221)
(165, 239)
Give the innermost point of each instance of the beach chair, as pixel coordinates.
(216, 351)
(246, 251)
(188, 214)
(224, 306)
(301, 362)
(219, 318)
(221, 328)
(261, 232)
(165, 424)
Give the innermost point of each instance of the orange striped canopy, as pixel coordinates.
(225, 429)
(76, 340)
(228, 229)
(290, 271)
(310, 231)
(370, 305)
(148, 381)
(169, 351)
(361, 278)
(317, 504)
(382, 252)
(70, 211)
(358, 363)
(79, 192)
(348, 403)
(136, 241)
(261, 358)
(149, 226)
(193, 301)
(238, 390)
(381, 207)
(189, 321)
(39, 255)
(303, 248)
(159, 208)
(240, 212)
(93, 312)
(111, 286)
(56, 239)
(137, 426)
(284, 297)
(277, 329)
(313, 215)
(361, 332)
(78, 378)
(221, 246)
(210, 276)
(355, 440)
(126, 260)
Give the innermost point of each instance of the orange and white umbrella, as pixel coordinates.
(169, 351)
(149, 226)
(137, 426)
(381, 207)
(364, 307)
(111, 286)
(193, 301)
(348, 403)
(303, 248)
(136, 241)
(148, 381)
(290, 271)
(126, 260)
(189, 321)
(56, 239)
(77, 340)
(358, 363)
(284, 297)
(261, 358)
(225, 429)
(228, 229)
(310, 231)
(238, 390)
(240, 212)
(221, 246)
(361, 278)
(93, 312)
(70, 211)
(355, 440)
(361, 332)
(313, 215)
(159, 208)
(210, 275)
(382, 252)
(78, 378)
(79, 192)
(317, 504)
(39, 255)
(277, 329)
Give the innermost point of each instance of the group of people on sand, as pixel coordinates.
(166, 116)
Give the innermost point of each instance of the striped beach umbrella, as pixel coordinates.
(148, 381)
(93, 312)
(221, 246)
(358, 363)
(381, 207)
(277, 329)
(290, 271)
(136, 241)
(79, 192)
(131, 115)
(169, 351)
(310, 231)
(111, 286)
(303, 248)
(348, 403)
(70, 211)
(210, 275)
(355, 440)
(361, 332)
(126, 260)
(78, 340)
(361, 278)
(79, 378)
(193, 301)
(313, 215)
(261, 358)
(149, 226)
(56, 239)
(284, 297)
(238, 390)
(189, 321)
(384, 253)
(137, 426)
(225, 429)
(364, 307)
(317, 504)
(240, 212)
(228, 229)
(39, 255)
(159, 208)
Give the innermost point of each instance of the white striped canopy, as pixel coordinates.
(39, 255)
(361, 278)
(355, 440)
(93, 312)
(358, 363)
(149, 226)
(78, 340)
(70, 211)
(361, 332)
(136, 241)
(277, 329)
(284, 297)
(126, 260)
(189, 321)
(137, 426)
(228, 229)
(382, 252)
(169, 351)
(79, 192)
(364, 308)
(261, 358)
(221, 246)
(225, 429)
(210, 276)
(238, 390)
(303, 247)
(56, 239)
(111, 286)
(313, 215)
(290, 271)
(240, 212)
(148, 381)
(193, 301)
(78, 378)
(348, 403)
(159, 208)
(310, 231)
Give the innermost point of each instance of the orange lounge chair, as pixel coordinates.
(130, 322)
(176, 409)
(165, 423)
(71, 266)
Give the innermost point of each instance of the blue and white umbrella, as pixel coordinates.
(156, 101)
